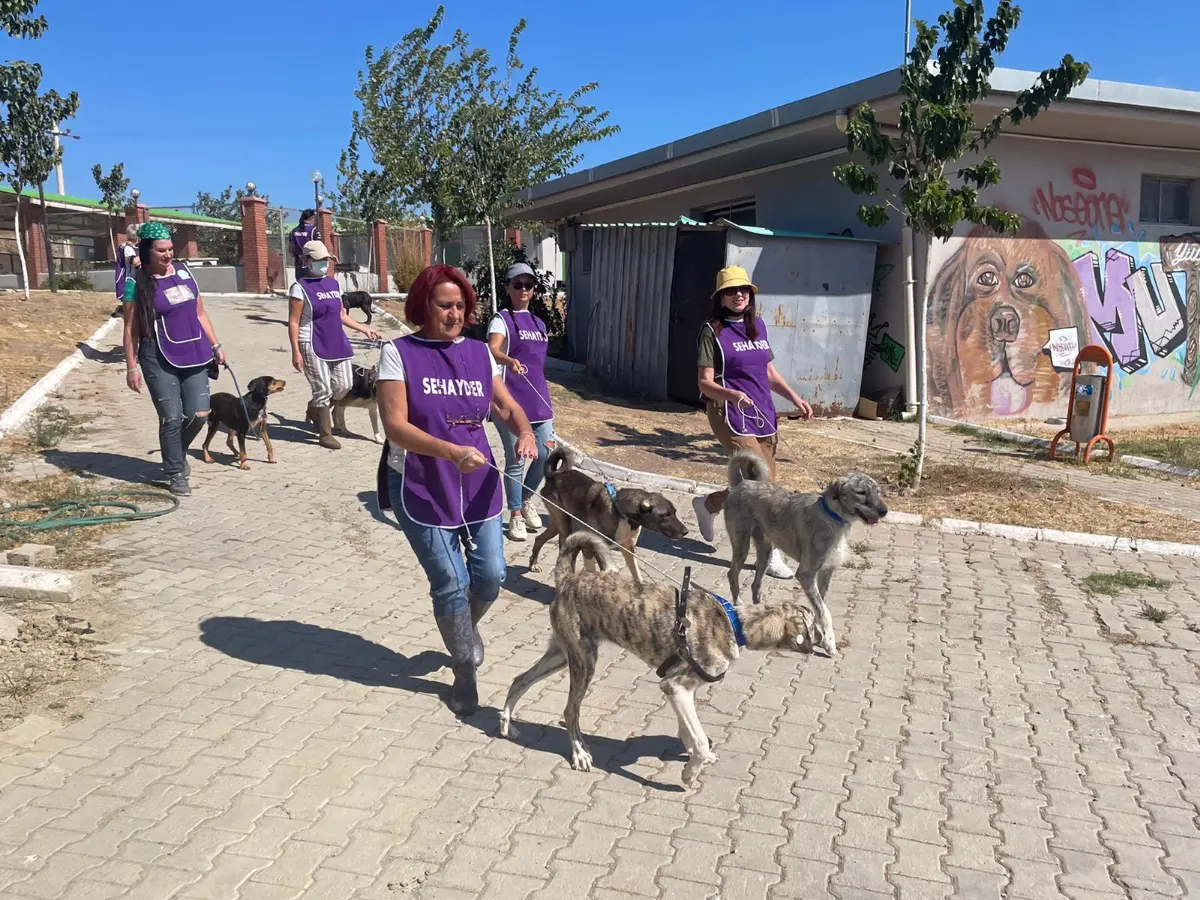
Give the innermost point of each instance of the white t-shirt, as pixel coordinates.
(391, 368)
(297, 293)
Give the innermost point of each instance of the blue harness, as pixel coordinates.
(734, 620)
(830, 512)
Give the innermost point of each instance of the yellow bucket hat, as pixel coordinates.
(733, 276)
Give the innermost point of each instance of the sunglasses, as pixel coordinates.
(524, 285)
(734, 291)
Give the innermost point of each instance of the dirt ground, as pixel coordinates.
(1177, 443)
(37, 334)
(671, 439)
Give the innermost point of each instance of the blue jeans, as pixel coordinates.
(516, 491)
(180, 398)
(453, 582)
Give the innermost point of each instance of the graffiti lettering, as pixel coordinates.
(1086, 207)
(1181, 253)
(1132, 308)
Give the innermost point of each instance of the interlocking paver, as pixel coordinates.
(279, 733)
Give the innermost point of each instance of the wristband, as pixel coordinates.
(131, 371)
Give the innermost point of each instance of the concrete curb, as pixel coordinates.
(650, 481)
(48, 383)
(1140, 462)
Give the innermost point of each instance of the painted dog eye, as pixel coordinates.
(1024, 280)
(988, 278)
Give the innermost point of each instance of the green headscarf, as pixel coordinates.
(154, 231)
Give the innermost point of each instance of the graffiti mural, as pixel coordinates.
(1082, 204)
(880, 344)
(992, 307)
(998, 308)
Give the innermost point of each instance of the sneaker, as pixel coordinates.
(777, 568)
(704, 518)
(178, 484)
(516, 529)
(533, 521)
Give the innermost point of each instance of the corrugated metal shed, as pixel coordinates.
(631, 271)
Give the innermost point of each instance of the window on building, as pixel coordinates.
(739, 212)
(1166, 201)
(588, 243)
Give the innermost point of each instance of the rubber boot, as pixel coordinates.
(478, 611)
(325, 425)
(309, 415)
(458, 634)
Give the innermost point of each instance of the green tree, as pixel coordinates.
(945, 74)
(27, 150)
(114, 193)
(18, 20)
(429, 110)
(221, 243)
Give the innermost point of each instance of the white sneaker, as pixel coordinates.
(533, 521)
(704, 518)
(516, 529)
(777, 568)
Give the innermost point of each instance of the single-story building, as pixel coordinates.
(1108, 187)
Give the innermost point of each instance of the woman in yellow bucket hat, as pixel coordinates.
(737, 377)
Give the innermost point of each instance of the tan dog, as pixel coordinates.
(991, 309)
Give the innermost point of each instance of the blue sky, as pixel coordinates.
(227, 91)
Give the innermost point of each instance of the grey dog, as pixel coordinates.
(810, 528)
(594, 606)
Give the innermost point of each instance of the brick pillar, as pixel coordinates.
(325, 226)
(513, 236)
(136, 215)
(379, 253)
(427, 246)
(33, 242)
(254, 244)
(187, 241)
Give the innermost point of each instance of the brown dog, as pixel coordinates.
(228, 413)
(619, 514)
(991, 309)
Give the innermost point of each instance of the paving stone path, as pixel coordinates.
(274, 729)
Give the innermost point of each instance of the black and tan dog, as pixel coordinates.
(228, 413)
(361, 394)
(619, 514)
(358, 300)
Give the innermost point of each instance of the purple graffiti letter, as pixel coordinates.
(1112, 306)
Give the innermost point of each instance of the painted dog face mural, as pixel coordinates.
(991, 309)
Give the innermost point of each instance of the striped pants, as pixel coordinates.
(329, 381)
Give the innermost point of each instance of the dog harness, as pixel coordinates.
(683, 650)
(612, 492)
(830, 512)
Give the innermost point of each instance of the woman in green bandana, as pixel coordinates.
(170, 341)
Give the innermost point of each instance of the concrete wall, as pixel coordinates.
(210, 279)
(1084, 266)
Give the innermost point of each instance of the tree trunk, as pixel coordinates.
(487, 220)
(111, 240)
(46, 240)
(922, 376)
(20, 247)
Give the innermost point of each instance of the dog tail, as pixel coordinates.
(581, 542)
(747, 466)
(559, 459)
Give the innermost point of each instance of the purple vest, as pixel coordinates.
(449, 388)
(122, 272)
(329, 341)
(744, 368)
(181, 340)
(528, 342)
(301, 235)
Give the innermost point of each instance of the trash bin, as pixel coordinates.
(1089, 404)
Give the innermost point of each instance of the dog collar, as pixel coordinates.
(612, 491)
(734, 620)
(830, 512)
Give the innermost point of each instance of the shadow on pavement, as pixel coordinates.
(107, 465)
(288, 644)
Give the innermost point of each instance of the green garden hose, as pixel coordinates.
(87, 511)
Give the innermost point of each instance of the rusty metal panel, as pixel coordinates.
(630, 294)
(814, 295)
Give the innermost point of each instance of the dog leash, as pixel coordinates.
(241, 399)
(745, 407)
(683, 648)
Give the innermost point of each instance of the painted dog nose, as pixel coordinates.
(1005, 323)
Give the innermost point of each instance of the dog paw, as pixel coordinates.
(536, 567)
(581, 760)
(378, 438)
(507, 728)
(209, 460)
(695, 765)
(270, 462)
(243, 465)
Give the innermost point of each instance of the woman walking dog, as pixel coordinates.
(737, 375)
(169, 340)
(320, 348)
(436, 473)
(519, 341)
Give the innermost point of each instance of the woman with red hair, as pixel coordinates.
(437, 474)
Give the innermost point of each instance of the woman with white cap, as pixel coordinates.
(519, 341)
(170, 340)
(737, 376)
(320, 348)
